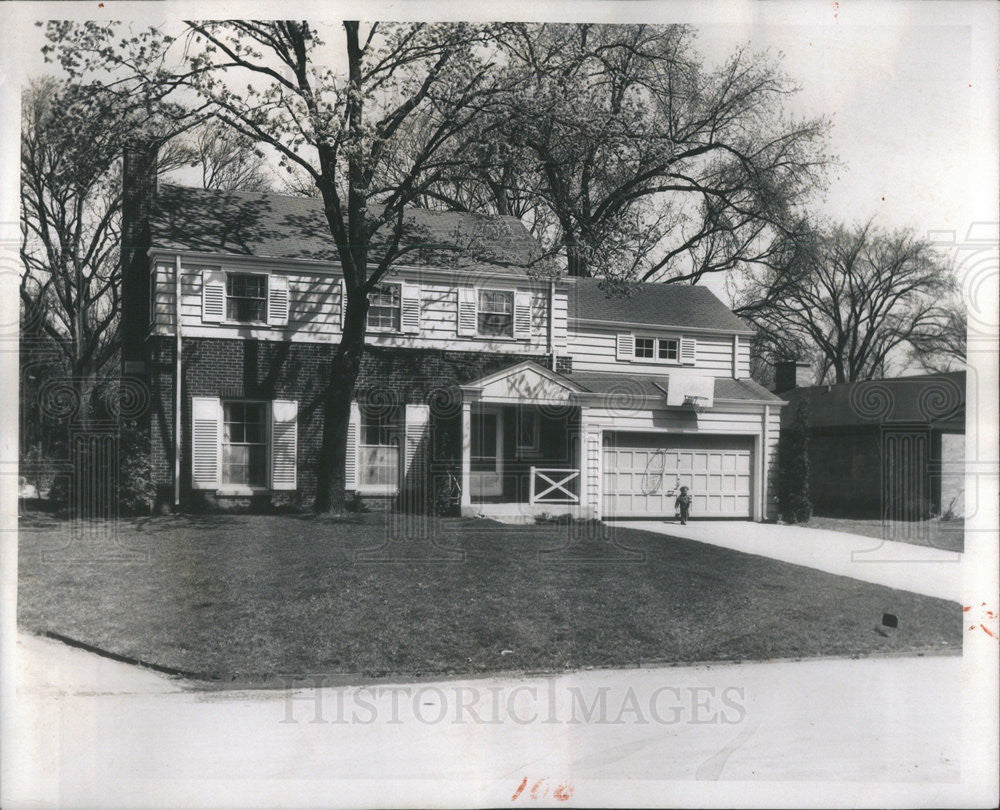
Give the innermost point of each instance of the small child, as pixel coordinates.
(683, 503)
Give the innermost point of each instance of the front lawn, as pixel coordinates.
(948, 535)
(249, 597)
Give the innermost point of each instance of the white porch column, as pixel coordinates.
(466, 452)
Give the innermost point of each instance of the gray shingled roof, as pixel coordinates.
(281, 227)
(924, 398)
(603, 382)
(680, 305)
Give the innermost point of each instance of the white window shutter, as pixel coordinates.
(522, 315)
(417, 419)
(688, 347)
(351, 460)
(284, 443)
(277, 300)
(213, 296)
(468, 304)
(343, 303)
(625, 346)
(410, 302)
(206, 442)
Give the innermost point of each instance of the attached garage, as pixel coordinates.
(642, 472)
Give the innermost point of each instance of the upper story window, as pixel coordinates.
(246, 298)
(384, 306)
(644, 347)
(496, 313)
(676, 350)
(668, 349)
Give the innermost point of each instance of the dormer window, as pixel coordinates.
(246, 298)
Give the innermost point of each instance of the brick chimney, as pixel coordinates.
(139, 171)
(789, 374)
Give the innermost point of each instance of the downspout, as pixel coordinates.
(177, 381)
(552, 318)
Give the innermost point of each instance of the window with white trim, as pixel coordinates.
(384, 306)
(644, 347)
(153, 278)
(246, 298)
(659, 350)
(668, 349)
(244, 443)
(496, 313)
(378, 447)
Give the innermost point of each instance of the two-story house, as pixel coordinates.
(523, 394)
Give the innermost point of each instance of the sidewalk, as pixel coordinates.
(920, 569)
(872, 727)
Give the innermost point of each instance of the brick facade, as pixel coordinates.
(256, 369)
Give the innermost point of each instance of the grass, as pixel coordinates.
(247, 598)
(948, 535)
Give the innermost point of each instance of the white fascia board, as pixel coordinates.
(663, 327)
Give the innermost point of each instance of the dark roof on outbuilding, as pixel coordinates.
(934, 399)
(680, 305)
(276, 226)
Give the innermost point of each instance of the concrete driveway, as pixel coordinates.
(92, 732)
(920, 569)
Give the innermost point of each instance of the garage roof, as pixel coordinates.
(680, 305)
(624, 385)
(936, 399)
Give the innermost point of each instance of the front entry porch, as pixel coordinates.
(522, 461)
(521, 447)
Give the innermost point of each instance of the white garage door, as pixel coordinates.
(642, 473)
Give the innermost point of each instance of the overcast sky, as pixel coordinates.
(911, 88)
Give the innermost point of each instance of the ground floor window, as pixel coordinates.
(244, 443)
(378, 462)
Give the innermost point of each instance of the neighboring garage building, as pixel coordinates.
(892, 448)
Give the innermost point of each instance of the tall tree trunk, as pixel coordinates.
(344, 368)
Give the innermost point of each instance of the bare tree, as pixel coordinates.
(71, 146)
(337, 127)
(228, 160)
(647, 165)
(943, 349)
(856, 301)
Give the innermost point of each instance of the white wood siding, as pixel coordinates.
(714, 420)
(561, 311)
(314, 311)
(745, 420)
(743, 357)
(595, 350)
